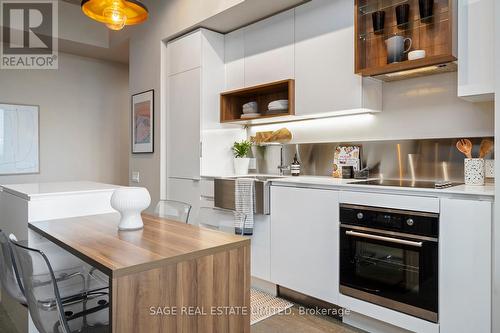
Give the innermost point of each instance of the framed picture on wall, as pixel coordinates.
(19, 139)
(143, 122)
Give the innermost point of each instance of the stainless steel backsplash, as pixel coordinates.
(429, 159)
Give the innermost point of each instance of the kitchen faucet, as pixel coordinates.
(282, 167)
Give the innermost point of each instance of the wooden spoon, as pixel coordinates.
(485, 148)
(465, 147)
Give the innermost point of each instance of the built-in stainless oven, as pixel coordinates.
(389, 257)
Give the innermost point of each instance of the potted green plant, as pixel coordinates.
(241, 160)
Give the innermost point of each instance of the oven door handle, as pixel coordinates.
(383, 238)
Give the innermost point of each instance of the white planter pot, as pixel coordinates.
(474, 171)
(241, 166)
(130, 202)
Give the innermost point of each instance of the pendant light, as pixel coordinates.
(115, 13)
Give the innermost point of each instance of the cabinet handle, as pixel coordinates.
(382, 238)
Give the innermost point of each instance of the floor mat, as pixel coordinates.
(265, 305)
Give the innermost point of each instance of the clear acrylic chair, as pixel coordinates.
(9, 276)
(221, 219)
(173, 210)
(60, 305)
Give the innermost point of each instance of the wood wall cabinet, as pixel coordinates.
(436, 34)
(476, 54)
(231, 102)
(304, 241)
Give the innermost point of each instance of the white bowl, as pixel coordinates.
(250, 105)
(250, 110)
(279, 104)
(417, 54)
(130, 202)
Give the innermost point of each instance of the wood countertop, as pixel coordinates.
(97, 241)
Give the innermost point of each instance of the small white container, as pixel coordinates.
(474, 171)
(489, 168)
(417, 54)
(241, 165)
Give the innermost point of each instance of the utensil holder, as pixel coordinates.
(474, 171)
(489, 168)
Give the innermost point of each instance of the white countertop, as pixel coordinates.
(29, 191)
(460, 190)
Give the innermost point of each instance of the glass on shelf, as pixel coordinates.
(406, 28)
(372, 6)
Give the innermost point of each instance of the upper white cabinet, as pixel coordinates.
(184, 53)
(324, 61)
(476, 42)
(313, 44)
(269, 49)
(195, 79)
(304, 241)
(235, 59)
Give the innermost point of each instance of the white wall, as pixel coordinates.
(167, 18)
(425, 107)
(84, 119)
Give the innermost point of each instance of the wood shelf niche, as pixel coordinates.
(433, 34)
(231, 102)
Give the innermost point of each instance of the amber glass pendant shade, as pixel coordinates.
(115, 13)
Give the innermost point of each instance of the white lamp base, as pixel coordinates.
(130, 202)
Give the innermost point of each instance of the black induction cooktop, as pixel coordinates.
(406, 183)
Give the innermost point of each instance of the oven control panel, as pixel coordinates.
(419, 223)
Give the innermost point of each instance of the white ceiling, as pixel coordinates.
(116, 47)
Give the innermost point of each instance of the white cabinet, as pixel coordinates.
(260, 53)
(193, 98)
(234, 57)
(324, 61)
(261, 248)
(269, 49)
(195, 80)
(184, 53)
(184, 125)
(185, 190)
(465, 266)
(305, 241)
(476, 56)
(313, 44)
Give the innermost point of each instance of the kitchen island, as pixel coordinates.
(32, 202)
(200, 276)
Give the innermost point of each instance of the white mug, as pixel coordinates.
(396, 48)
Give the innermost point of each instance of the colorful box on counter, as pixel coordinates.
(346, 157)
